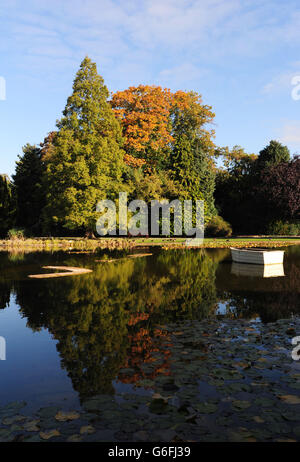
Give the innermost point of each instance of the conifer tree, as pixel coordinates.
(7, 205)
(192, 165)
(30, 195)
(273, 154)
(86, 159)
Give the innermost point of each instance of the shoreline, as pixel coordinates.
(91, 245)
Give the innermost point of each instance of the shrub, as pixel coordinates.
(217, 227)
(284, 228)
(16, 234)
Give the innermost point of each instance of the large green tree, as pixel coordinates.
(30, 194)
(7, 205)
(86, 159)
(191, 161)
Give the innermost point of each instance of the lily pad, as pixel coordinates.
(64, 416)
(241, 405)
(49, 434)
(290, 399)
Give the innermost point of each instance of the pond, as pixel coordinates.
(178, 345)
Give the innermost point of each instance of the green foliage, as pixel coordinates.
(7, 205)
(233, 194)
(86, 160)
(217, 227)
(16, 234)
(273, 154)
(284, 228)
(30, 193)
(152, 185)
(239, 197)
(193, 173)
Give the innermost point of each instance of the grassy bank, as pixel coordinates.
(90, 245)
(66, 244)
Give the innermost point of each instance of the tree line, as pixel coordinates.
(153, 144)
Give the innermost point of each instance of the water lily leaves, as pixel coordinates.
(236, 387)
(160, 397)
(47, 435)
(170, 387)
(205, 407)
(47, 424)
(141, 436)
(74, 438)
(146, 383)
(13, 419)
(291, 416)
(279, 428)
(5, 434)
(240, 405)
(159, 406)
(221, 388)
(226, 374)
(32, 426)
(87, 429)
(32, 439)
(264, 402)
(241, 435)
(63, 416)
(295, 386)
(166, 435)
(290, 399)
(47, 412)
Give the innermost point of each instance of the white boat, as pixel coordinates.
(257, 256)
(262, 271)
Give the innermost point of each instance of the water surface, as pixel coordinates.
(69, 339)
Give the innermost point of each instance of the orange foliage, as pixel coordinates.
(142, 347)
(137, 317)
(146, 113)
(133, 161)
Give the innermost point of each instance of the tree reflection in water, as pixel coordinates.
(114, 318)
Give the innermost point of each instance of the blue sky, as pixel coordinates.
(240, 55)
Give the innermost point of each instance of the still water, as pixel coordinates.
(68, 339)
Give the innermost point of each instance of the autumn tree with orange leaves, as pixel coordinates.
(168, 132)
(144, 113)
(152, 118)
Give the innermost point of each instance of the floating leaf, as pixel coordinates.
(63, 416)
(49, 434)
(290, 399)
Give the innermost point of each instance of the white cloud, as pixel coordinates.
(134, 33)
